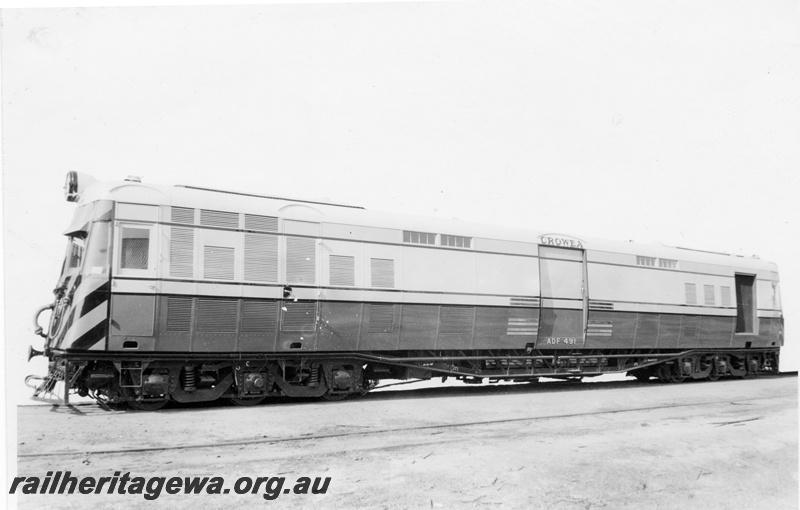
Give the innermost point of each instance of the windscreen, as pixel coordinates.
(97, 250)
(87, 254)
(73, 258)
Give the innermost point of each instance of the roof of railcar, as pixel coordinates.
(326, 212)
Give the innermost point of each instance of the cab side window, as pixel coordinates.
(135, 249)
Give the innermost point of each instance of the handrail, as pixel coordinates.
(37, 328)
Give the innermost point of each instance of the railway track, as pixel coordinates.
(380, 392)
(554, 445)
(388, 430)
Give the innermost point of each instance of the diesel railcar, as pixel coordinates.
(185, 294)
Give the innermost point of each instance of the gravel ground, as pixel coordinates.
(555, 445)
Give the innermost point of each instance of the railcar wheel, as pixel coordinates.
(147, 405)
(713, 376)
(246, 402)
(668, 374)
(334, 397)
(675, 379)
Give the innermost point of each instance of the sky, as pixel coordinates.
(672, 122)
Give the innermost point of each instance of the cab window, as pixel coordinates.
(75, 253)
(96, 255)
(135, 248)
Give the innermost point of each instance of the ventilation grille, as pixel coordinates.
(218, 262)
(259, 317)
(691, 325)
(455, 241)
(708, 294)
(260, 258)
(725, 295)
(382, 271)
(301, 264)
(299, 316)
(601, 305)
(216, 315)
(668, 263)
(522, 326)
(262, 223)
(599, 328)
(647, 327)
(381, 318)
(456, 320)
(418, 237)
(343, 270)
(179, 315)
(691, 294)
(645, 261)
(183, 215)
(524, 301)
(181, 252)
(219, 219)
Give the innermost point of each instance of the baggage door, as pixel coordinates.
(564, 298)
